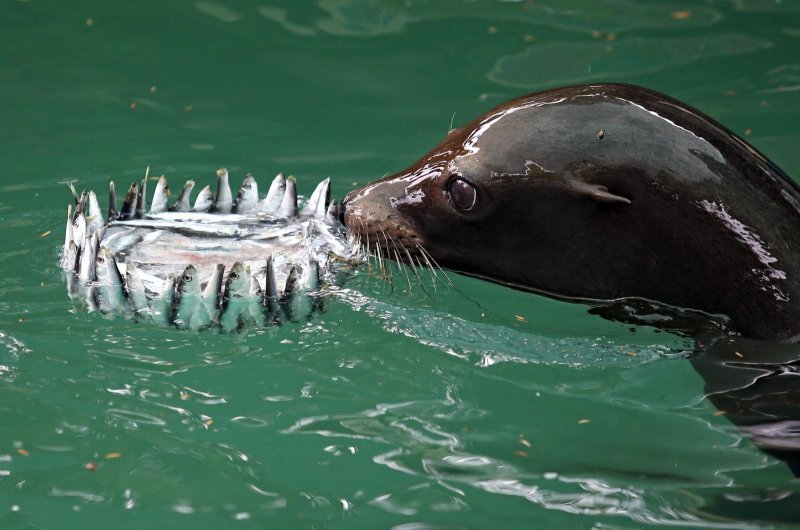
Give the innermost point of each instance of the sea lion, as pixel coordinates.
(597, 193)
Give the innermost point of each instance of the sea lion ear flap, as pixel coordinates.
(598, 193)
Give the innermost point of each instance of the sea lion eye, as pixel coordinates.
(462, 193)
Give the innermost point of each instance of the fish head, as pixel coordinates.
(204, 199)
(162, 186)
(237, 284)
(248, 192)
(189, 281)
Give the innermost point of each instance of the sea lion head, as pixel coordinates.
(484, 200)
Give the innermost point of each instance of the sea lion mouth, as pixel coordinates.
(387, 238)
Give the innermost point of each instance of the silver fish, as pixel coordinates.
(291, 299)
(271, 294)
(68, 238)
(79, 230)
(70, 264)
(141, 197)
(75, 196)
(160, 197)
(234, 310)
(288, 207)
(69, 260)
(256, 310)
(182, 204)
(161, 307)
(208, 311)
(135, 289)
(80, 205)
(112, 286)
(95, 218)
(316, 204)
(332, 213)
(112, 201)
(204, 200)
(272, 201)
(186, 297)
(299, 296)
(223, 201)
(129, 204)
(87, 269)
(247, 198)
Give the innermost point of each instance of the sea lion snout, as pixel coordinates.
(371, 215)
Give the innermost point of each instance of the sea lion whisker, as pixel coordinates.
(397, 259)
(431, 259)
(368, 254)
(399, 267)
(378, 253)
(397, 263)
(433, 278)
(385, 266)
(372, 252)
(416, 273)
(431, 269)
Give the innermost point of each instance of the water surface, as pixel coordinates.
(473, 406)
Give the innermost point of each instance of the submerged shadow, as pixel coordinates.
(754, 383)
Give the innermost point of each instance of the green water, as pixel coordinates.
(392, 409)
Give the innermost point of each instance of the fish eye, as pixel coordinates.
(187, 278)
(234, 276)
(101, 259)
(246, 186)
(463, 195)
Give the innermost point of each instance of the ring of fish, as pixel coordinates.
(222, 262)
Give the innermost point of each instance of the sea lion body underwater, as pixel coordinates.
(600, 193)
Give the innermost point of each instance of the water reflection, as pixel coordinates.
(566, 62)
